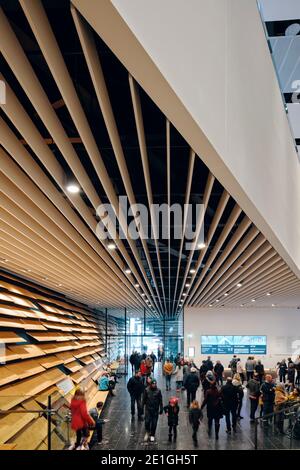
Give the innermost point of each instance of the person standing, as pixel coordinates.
(81, 420)
(268, 396)
(203, 370)
(253, 387)
(236, 382)
(135, 387)
(209, 379)
(132, 360)
(144, 371)
(154, 360)
(219, 371)
(195, 417)
(179, 376)
(213, 402)
(250, 365)
(172, 412)
(280, 400)
(291, 373)
(209, 363)
(230, 396)
(233, 365)
(282, 371)
(153, 405)
(168, 371)
(191, 385)
(240, 370)
(260, 370)
(297, 367)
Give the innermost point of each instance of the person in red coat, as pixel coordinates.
(144, 370)
(81, 420)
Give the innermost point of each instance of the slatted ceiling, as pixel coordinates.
(42, 337)
(25, 369)
(10, 337)
(13, 423)
(6, 376)
(74, 366)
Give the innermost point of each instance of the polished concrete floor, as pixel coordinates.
(123, 433)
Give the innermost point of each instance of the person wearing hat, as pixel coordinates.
(172, 412)
(191, 385)
(153, 404)
(209, 379)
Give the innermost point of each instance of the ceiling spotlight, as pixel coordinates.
(242, 305)
(192, 271)
(111, 246)
(143, 293)
(136, 285)
(210, 305)
(73, 188)
(239, 284)
(253, 300)
(268, 294)
(59, 285)
(218, 300)
(201, 246)
(226, 294)
(187, 285)
(127, 271)
(273, 305)
(184, 295)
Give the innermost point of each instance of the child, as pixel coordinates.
(81, 420)
(172, 412)
(95, 414)
(195, 416)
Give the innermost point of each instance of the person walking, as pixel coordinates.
(253, 387)
(144, 371)
(237, 382)
(209, 379)
(233, 365)
(172, 412)
(80, 421)
(202, 371)
(213, 402)
(153, 405)
(282, 371)
(219, 371)
(132, 360)
(135, 387)
(260, 370)
(168, 371)
(154, 360)
(291, 373)
(209, 363)
(250, 365)
(280, 400)
(268, 397)
(297, 367)
(195, 418)
(230, 396)
(240, 370)
(191, 385)
(179, 376)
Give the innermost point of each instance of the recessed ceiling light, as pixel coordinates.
(143, 293)
(253, 300)
(187, 285)
(73, 188)
(210, 305)
(242, 305)
(201, 246)
(111, 246)
(273, 305)
(136, 285)
(59, 285)
(226, 294)
(192, 271)
(184, 294)
(239, 284)
(128, 271)
(268, 294)
(218, 300)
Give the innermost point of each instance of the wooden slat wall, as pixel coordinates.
(43, 341)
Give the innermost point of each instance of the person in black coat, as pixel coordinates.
(209, 363)
(152, 401)
(172, 412)
(260, 370)
(132, 361)
(213, 402)
(195, 417)
(219, 371)
(230, 397)
(191, 384)
(135, 387)
(291, 373)
(203, 370)
(282, 371)
(268, 396)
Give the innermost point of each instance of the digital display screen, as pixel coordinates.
(234, 345)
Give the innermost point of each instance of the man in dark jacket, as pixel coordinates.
(254, 393)
(191, 384)
(209, 363)
(132, 361)
(152, 401)
(203, 370)
(230, 396)
(219, 370)
(268, 395)
(136, 388)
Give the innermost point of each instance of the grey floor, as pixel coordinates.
(121, 433)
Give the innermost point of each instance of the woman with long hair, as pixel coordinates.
(81, 420)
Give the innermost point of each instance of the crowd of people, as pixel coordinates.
(222, 395)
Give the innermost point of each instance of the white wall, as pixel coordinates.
(281, 326)
(208, 67)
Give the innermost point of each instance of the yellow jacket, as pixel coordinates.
(168, 368)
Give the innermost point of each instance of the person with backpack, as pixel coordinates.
(250, 367)
(135, 387)
(195, 418)
(153, 405)
(191, 385)
(80, 421)
(172, 412)
(253, 387)
(233, 365)
(213, 402)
